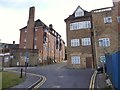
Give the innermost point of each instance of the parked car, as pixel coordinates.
(100, 68)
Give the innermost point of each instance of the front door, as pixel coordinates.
(89, 62)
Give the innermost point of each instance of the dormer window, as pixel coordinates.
(79, 12)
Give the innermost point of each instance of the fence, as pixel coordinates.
(113, 69)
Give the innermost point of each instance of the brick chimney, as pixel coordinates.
(30, 28)
(50, 26)
(31, 14)
(13, 42)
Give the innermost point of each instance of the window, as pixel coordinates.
(75, 60)
(45, 47)
(75, 42)
(35, 38)
(80, 25)
(118, 19)
(24, 47)
(25, 30)
(107, 20)
(79, 12)
(24, 40)
(35, 46)
(36, 29)
(86, 41)
(104, 42)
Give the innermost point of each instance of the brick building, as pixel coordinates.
(92, 34)
(38, 36)
(8, 54)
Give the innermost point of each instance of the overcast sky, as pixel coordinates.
(14, 14)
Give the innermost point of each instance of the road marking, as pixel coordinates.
(60, 76)
(39, 84)
(57, 86)
(92, 81)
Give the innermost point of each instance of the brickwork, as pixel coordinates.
(99, 29)
(36, 35)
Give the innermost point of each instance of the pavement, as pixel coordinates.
(102, 83)
(31, 80)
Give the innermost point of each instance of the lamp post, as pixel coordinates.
(26, 61)
(103, 58)
(0, 54)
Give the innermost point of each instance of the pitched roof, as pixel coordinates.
(80, 8)
(73, 15)
(37, 23)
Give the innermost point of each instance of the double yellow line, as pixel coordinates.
(40, 83)
(92, 81)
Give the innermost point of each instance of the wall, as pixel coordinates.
(113, 68)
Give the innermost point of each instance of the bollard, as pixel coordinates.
(21, 73)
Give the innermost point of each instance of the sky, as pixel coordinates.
(14, 14)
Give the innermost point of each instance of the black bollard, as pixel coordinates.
(21, 73)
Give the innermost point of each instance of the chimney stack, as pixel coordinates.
(30, 28)
(50, 26)
(13, 42)
(31, 13)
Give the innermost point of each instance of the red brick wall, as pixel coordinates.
(22, 37)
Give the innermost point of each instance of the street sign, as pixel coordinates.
(102, 59)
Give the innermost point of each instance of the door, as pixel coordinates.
(89, 62)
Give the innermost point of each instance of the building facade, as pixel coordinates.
(38, 36)
(90, 35)
(8, 54)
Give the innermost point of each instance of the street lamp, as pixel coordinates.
(0, 54)
(26, 61)
(102, 59)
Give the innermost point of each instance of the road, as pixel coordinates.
(59, 76)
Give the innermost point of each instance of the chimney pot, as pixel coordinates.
(50, 26)
(14, 42)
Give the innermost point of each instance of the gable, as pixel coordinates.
(79, 12)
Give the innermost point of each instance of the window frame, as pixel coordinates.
(75, 59)
(86, 41)
(35, 46)
(80, 25)
(118, 19)
(108, 20)
(75, 42)
(104, 42)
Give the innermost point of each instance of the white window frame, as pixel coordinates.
(75, 42)
(80, 25)
(75, 59)
(79, 12)
(86, 41)
(25, 40)
(104, 42)
(24, 47)
(107, 20)
(36, 29)
(118, 19)
(35, 46)
(25, 30)
(35, 38)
